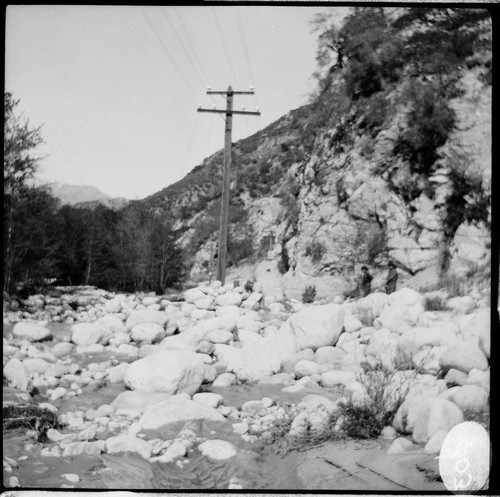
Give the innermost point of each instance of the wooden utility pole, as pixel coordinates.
(226, 176)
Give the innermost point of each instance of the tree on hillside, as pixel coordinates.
(29, 212)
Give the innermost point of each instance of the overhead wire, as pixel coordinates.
(224, 45)
(200, 78)
(246, 53)
(188, 153)
(165, 49)
(140, 45)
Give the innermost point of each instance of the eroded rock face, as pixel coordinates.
(166, 371)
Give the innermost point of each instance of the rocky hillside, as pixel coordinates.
(391, 160)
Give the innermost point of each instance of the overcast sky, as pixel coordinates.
(117, 88)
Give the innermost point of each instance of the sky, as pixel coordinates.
(116, 88)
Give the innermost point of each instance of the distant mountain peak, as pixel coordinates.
(76, 194)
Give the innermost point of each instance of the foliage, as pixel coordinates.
(315, 250)
(128, 250)
(434, 303)
(454, 285)
(467, 200)
(20, 142)
(31, 237)
(384, 394)
(364, 314)
(309, 294)
(429, 123)
(28, 417)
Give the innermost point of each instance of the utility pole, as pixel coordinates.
(226, 176)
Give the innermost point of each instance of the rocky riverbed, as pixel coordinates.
(186, 392)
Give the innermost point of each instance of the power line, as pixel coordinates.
(186, 81)
(244, 43)
(183, 49)
(188, 38)
(225, 47)
(148, 52)
(189, 146)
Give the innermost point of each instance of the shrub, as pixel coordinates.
(309, 294)
(434, 303)
(428, 125)
(455, 286)
(365, 315)
(385, 392)
(315, 250)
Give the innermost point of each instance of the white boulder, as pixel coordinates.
(84, 334)
(166, 371)
(423, 416)
(32, 332)
(464, 356)
(218, 450)
(171, 413)
(147, 333)
(314, 327)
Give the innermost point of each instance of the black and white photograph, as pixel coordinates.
(247, 247)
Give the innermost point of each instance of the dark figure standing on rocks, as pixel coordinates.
(365, 282)
(392, 277)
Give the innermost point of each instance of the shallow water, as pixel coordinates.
(255, 466)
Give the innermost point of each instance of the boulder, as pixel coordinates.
(314, 327)
(433, 446)
(209, 399)
(147, 333)
(401, 445)
(471, 398)
(113, 323)
(17, 375)
(478, 377)
(454, 377)
(113, 306)
(306, 368)
(33, 332)
(62, 349)
(193, 294)
(187, 340)
(311, 421)
(220, 336)
(230, 298)
(464, 356)
(329, 356)
(217, 450)
(330, 379)
(166, 417)
(129, 443)
(224, 380)
(36, 365)
(405, 297)
(352, 323)
(143, 316)
(371, 305)
(84, 334)
(166, 371)
(423, 416)
(137, 399)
